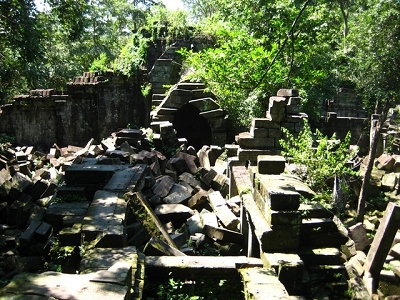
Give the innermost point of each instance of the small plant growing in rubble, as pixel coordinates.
(317, 158)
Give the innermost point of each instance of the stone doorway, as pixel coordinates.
(189, 124)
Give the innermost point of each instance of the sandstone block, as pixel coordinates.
(271, 164)
(287, 93)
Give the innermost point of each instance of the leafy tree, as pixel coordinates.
(375, 68)
(20, 47)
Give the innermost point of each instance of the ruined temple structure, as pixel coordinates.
(93, 105)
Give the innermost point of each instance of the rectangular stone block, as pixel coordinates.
(259, 132)
(274, 217)
(271, 164)
(264, 123)
(279, 197)
(288, 93)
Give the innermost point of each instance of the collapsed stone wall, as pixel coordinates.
(92, 106)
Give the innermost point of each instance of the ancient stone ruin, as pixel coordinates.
(111, 218)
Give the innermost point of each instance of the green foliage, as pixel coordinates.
(318, 158)
(200, 289)
(146, 89)
(374, 52)
(69, 198)
(6, 141)
(132, 56)
(100, 64)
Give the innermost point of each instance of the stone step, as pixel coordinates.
(156, 103)
(317, 225)
(191, 86)
(262, 283)
(321, 256)
(160, 266)
(158, 96)
(330, 273)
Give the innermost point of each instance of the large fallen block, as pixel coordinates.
(218, 204)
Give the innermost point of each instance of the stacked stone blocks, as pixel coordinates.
(265, 133)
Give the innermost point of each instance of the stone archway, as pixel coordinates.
(189, 105)
(189, 124)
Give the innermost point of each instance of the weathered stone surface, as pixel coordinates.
(173, 212)
(321, 256)
(209, 218)
(57, 211)
(177, 194)
(223, 234)
(385, 162)
(271, 164)
(192, 161)
(189, 178)
(105, 220)
(64, 286)
(276, 238)
(287, 93)
(163, 186)
(208, 178)
(156, 245)
(218, 203)
(262, 283)
(289, 268)
(358, 234)
(129, 179)
(198, 199)
(390, 181)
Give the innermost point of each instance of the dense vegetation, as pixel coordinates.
(257, 46)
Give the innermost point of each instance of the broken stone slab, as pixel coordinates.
(177, 195)
(70, 236)
(198, 199)
(163, 186)
(189, 178)
(195, 224)
(21, 182)
(57, 211)
(177, 164)
(192, 162)
(208, 218)
(204, 160)
(218, 204)
(63, 286)
(390, 181)
(149, 218)
(221, 183)
(395, 251)
(20, 210)
(208, 178)
(28, 235)
(173, 212)
(358, 234)
(129, 179)
(105, 220)
(160, 266)
(90, 172)
(224, 235)
(162, 247)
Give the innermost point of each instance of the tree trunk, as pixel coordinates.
(376, 133)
